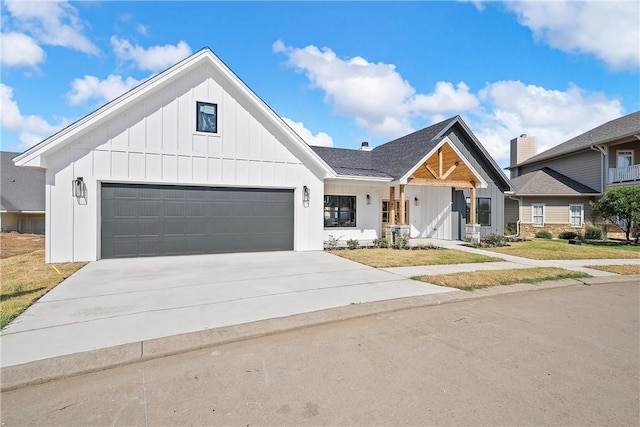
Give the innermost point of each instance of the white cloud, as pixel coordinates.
(52, 23)
(142, 29)
(320, 139)
(607, 29)
(91, 87)
(32, 129)
(20, 50)
(552, 116)
(446, 98)
(374, 94)
(155, 58)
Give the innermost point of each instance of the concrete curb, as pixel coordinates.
(41, 371)
(603, 280)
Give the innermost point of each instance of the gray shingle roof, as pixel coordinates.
(390, 160)
(619, 128)
(22, 189)
(548, 182)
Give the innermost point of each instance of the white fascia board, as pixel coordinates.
(481, 184)
(347, 179)
(560, 195)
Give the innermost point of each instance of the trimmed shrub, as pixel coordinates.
(402, 242)
(494, 241)
(594, 233)
(568, 235)
(380, 242)
(353, 244)
(544, 234)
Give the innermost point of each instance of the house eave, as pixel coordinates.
(557, 195)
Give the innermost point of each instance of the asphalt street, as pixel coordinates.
(566, 356)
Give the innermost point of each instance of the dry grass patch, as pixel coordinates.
(560, 249)
(618, 269)
(18, 244)
(25, 278)
(482, 279)
(382, 258)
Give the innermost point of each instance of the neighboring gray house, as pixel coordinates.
(22, 197)
(553, 189)
(429, 183)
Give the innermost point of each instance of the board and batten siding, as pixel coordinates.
(495, 188)
(431, 218)
(583, 167)
(154, 141)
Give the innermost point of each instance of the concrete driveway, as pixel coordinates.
(113, 302)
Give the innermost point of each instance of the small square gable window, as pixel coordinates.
(206, 117)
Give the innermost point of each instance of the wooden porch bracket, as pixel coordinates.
(392, 203)
(402, 209)
(451, 169)
(472, 210)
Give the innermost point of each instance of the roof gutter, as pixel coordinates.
(603, 150)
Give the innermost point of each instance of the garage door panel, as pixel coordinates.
(152, 220)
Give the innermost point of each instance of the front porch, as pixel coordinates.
(430, 201)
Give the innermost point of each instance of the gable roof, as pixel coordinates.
(621, 127)
(548, 182)
(395, 159)
(22, 189)
(33, 156)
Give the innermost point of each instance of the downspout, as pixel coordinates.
(519, 200)
(603, 152)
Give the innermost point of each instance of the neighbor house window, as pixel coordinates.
(483, 210)
(339, 211)
(206, 117)
(625, 158)
(575, 215)
(537, 215)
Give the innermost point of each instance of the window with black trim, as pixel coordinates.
(483, 211)
(339, 211)
(206, 117)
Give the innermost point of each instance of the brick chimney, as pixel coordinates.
(522, 148)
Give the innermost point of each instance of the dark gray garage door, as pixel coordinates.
(152, 220)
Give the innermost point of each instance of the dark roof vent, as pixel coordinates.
(365, 146)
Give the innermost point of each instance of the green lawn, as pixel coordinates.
(618, 269)
(560, 249)
(381, 258)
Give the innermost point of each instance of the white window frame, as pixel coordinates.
(627, 151)
(581, 206)
(533, 221)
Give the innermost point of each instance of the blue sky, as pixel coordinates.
(338, 72)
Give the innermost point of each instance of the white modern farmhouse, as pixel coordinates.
(192, 162)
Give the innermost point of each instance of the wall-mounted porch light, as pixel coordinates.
(368, 199)
(305, 196)
(78, 188)
(416, 202)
